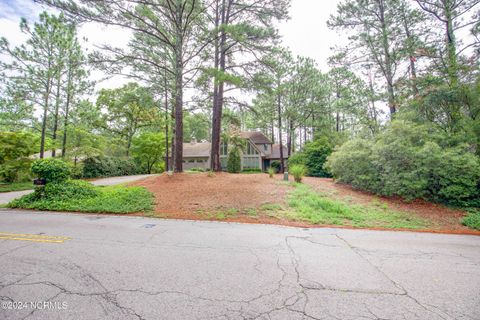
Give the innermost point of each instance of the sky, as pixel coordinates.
(305, 33)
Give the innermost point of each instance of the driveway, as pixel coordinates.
(6, 197)
(76, 266)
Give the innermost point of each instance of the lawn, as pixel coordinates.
(15, 186)
(305, 204)
(111, 199)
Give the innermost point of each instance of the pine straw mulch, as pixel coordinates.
(233, 197)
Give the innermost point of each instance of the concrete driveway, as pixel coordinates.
(6, 197)
(75, 266)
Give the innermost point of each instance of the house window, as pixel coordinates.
(251, 149)
(223, 149)
(265, 147)
(251, 162)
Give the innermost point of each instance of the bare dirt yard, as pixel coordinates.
(256, 198)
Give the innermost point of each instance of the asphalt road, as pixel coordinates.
(6, 197)
(112, 267)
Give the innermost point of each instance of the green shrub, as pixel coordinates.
(313, 156)
(234, 164)
(70, 189)
(408, 160)
(271, 172)
(275, 164)
(352, 164)
(252, 170)
(298, 171)
(108, 167)
(113, 199)
(472, 220)
(51, 170)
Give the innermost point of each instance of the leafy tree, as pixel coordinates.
(15, 151)
(128, 109)
(148, 149)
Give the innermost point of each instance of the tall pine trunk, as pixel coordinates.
(67, 111)
(220, 66)
(178, 159)
(55, 119)
(279, 115)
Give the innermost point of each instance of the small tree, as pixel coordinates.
(234, 163)
(236, 145)
(148, 149)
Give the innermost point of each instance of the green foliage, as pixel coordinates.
(234, 162)
(148, 150)
(129, 109)
(51, 169)
(409, 160)
(271, 172)
(15, 149)
(313, 156)
(298, 171)
(472, 220)
(114, 199)
(65, 190)
(275, 164)
(108, 167)
(317, 208)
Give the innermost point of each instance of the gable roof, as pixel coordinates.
(196, 149)
(276, 152)
(256, 137)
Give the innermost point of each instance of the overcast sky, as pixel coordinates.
(306, 32)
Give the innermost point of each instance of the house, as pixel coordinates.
(258, 154)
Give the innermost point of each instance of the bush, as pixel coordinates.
(70, 189)
(112, 199)
(275, 164)
(271, 172)
(252, 170)
(234, 163)
(298, 171)
(472, 220)
(313, 157)
(108, 167)
(407, 160)
(51, 170)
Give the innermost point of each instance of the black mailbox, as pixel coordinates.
(39, 182)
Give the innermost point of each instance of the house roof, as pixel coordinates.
(196, 149)
(276, 152)
(256, 137)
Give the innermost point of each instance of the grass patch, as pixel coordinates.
(226, 213)
(307, 205)
(472, 220)
(16, 186)
(111, 199)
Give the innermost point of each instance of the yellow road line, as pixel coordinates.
(32, 237)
